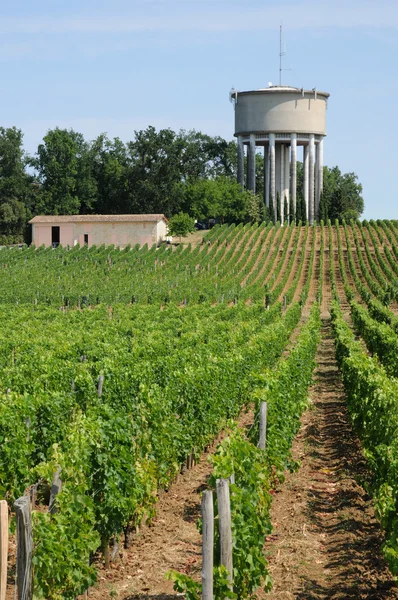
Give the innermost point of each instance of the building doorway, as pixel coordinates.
(86, 239)
(55, 236)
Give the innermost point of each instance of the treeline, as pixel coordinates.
(157, 172)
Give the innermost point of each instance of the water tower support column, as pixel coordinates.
(311, 186)
(319, 176)
(277, 181)
(306, 177)
(241, 161)
(282, 185)
(293, 170)
(287, 178)
(272, 171)
(251, 164)
(266, 175)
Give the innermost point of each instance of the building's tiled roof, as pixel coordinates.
(98, 219)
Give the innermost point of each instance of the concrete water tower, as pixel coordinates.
(281, 118)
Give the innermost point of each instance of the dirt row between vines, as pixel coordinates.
(326, 541)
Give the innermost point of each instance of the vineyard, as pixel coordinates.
(120, 369)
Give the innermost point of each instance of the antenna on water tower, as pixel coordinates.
(282, 53)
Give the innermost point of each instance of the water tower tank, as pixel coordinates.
(280, 118)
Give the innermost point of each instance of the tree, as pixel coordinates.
(109, 167)
(278, 207)
(221, 198)
(162, 163)
(342, 194)
(323, 209)
(207, 157)
(271, 211)
(254, 208)
(64, 171)
(17, 190)
(13, 217)
(154, 175)
(181, 224)
(301, 210)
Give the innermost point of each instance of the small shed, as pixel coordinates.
(119, 230)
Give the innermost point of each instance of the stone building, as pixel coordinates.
(119, 230)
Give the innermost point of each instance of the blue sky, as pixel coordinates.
(115, 67)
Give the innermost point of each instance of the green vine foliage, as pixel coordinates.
(64, 539)
(16, 444)
(285, 389)
(380, 338)
(250, 504)
(172, 379)
(192, 590)
(373, 404)
(183, 342)
(256, 471)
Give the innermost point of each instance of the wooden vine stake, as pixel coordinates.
(263, 426)
(24, 548)
(224, 526)
(3, 548)
(56, 487)
(207, 545)
(100, 385)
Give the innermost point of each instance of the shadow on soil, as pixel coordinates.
(192, 513)
(151, 597)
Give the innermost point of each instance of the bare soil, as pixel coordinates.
(195, 238)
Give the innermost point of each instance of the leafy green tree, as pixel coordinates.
(157, 172)
(12, 166)
(17, 190)
(161, 163)
(285, 209)
(278, 207)
(204, 156)
(181, 224)
(271, 211)
(109, 167)
(221, 198)
(63, 168)
(12, 216)
(341, 193)
(260, 173)
(254, 208)
(154, 176)
(323, 209)
(301, 210)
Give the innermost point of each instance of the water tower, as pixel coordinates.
(281, 118)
